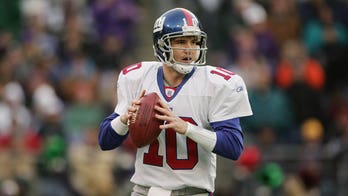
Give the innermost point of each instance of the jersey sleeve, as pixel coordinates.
(230, 100)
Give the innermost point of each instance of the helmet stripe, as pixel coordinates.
(188, 17)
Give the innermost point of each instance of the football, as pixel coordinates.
(143, 126)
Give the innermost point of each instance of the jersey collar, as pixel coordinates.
(160, 82)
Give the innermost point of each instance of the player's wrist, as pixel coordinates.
(207, 139)
(188, 128)
(118, 126)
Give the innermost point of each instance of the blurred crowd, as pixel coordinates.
(59, 62)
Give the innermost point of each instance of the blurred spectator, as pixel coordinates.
(303, 78)
(88, 176)
(270, 176)
(19, 141)
(15, 98)
(50, 12)
(310, 166)
(10, 65)
(310, 178)
(323, 31)
(210, 13)
(5, 126)
(267, 99)
(110, 54)
(116, 17)
(307, 10)
(255, 18)
(250, 159)
(249, 62)
(84, 111)
(35, 34)
(293, 186)
(74, 39)
(80, 123)
(10, 17)
(295, 65)
(16, 121)
(245, 57)
(340, 10)
(229, 21)
(78, 66)
(284, 21)
(6, 40)
(312, 134)
(243, 181)
(327, 40)
(109, 60)
(52, 164)
(337, 150)
(45, 101)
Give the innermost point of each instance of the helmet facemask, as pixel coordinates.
(167, 51)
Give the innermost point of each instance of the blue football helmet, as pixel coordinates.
(176, 23)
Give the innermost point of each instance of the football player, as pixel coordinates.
(201, 107)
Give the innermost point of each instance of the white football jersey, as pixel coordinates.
(210, 94)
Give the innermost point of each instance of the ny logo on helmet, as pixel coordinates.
(159, 24)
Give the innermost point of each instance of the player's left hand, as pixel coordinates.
(172, 121)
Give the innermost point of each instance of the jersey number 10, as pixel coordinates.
(153, 158)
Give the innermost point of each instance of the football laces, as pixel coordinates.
(133, 117)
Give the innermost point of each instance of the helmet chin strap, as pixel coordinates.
(183, 69)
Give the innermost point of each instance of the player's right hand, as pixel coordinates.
(131, 110)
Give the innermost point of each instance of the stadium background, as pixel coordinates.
(59, 61)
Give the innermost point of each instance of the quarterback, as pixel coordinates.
(200, 104)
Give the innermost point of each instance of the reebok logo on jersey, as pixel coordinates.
(239, 89)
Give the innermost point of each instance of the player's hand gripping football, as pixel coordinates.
(164, 113)
(131, 110)
(172, 121)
